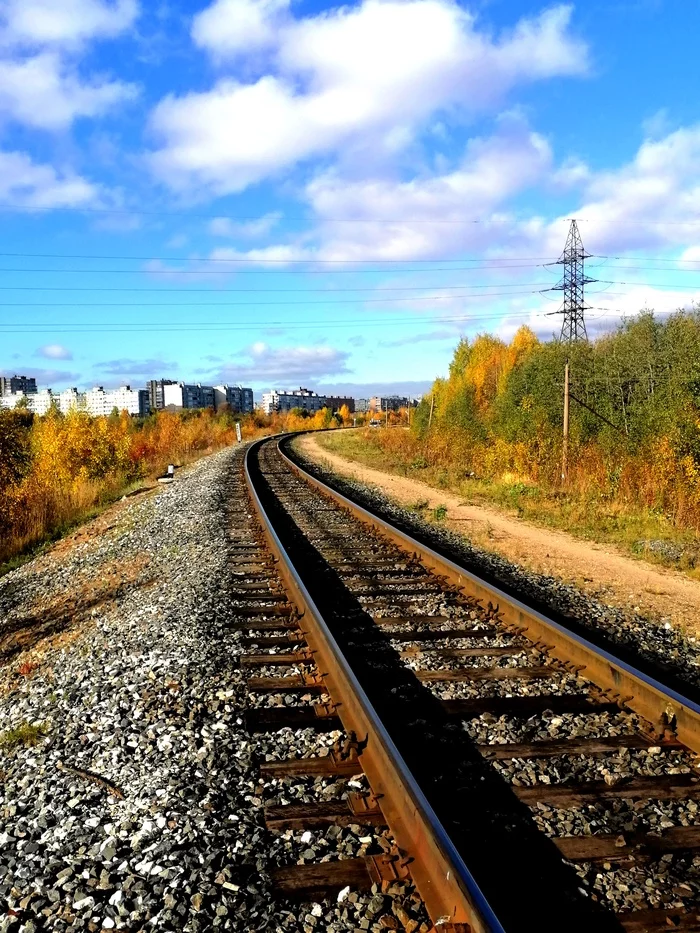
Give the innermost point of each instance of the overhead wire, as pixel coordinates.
(212, 326)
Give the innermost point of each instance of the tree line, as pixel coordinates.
(635, 412)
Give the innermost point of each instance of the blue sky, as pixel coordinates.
(275, 192)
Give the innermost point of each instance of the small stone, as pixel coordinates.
(196, 901)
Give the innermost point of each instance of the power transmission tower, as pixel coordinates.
(572, 284)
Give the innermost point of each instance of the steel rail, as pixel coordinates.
(448, 889)
(665, 708)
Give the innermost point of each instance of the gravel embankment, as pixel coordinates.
(130, 796)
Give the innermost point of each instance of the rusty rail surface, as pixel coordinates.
(665, 709)
(448, 889)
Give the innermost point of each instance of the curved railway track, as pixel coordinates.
(530, 780)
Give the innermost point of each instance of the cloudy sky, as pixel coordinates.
(275, 192)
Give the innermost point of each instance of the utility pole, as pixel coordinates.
(386, 402)
(573, 328)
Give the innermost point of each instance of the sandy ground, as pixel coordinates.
(598, 569)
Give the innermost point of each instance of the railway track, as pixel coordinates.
(529, 780)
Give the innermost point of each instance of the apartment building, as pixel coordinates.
(186, 395)
(133, 401)
(38, 402)
(238, 398)
(388, 402)
(95, 401)
(285, 400)
(336, 402)
(17, 385)
(154, 387)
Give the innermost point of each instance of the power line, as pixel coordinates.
(250, 259)
(221, 215)
(249, 304)
(213, 326)
(495, 262)
(175, 273)
(331, 290)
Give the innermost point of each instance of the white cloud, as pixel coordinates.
(652, 202)
(607, 311)
(64, 22)
(658, 124)
(54, 351)
(233, 27)
(26, 183)
(42, 91)
(46, 377)
(152, 367)
(225, 227)
(284, 366)
(354, 78)
(492, 170)
(430, 336)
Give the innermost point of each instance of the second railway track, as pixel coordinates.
(531, 780)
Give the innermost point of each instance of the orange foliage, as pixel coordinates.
(79, 462)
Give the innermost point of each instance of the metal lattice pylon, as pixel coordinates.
(572, 284)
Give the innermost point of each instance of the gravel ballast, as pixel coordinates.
(131, 795)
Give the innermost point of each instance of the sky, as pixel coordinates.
(278, 193)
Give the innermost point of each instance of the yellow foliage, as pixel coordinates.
(78, 462)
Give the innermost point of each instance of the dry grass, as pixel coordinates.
(623, 518)
(24, 734)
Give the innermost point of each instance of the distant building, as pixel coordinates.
(17, 385)
(238, 398)
(38, 402)
(71, 398)
(336, 402)
(388, 402)
(277, 400)
(154, 387)
(361, 405)
(185, 395)
(94, 402)
(133, 401)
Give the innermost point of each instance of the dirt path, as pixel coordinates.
(598, 569)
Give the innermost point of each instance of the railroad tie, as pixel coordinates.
(331, 765)
(628, 847)
(564, 796)
(316, 881)
(660, 921)
(553, 747)
(274, 660)
(356, 808)
(488, 673)
(297, 683)
(526, 706)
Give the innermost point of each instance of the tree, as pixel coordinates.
(15, 450)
